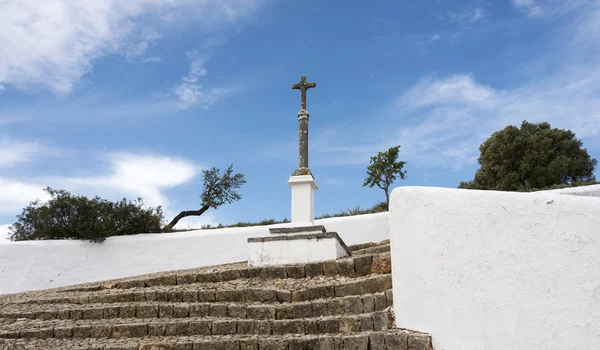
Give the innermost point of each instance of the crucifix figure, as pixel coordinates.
(303, 128)
(303, 86)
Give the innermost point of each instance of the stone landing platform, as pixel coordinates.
(296, 245)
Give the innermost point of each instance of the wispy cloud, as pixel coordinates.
(151, 59)
(191, 92)
(464, 19)
(531, 7)
(138, 49)
(52, 44)
(467, 16)
(12, 151)
(456, 90)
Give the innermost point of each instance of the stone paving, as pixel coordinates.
(332, 305)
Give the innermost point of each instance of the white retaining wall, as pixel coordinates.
(35, 265)
(587, 191)
(497, 270)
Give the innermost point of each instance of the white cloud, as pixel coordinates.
(434, 38)
(190, 91)
(130, 176)
(12, 152)
(15, 195)
(54, 43)
(146, 176)
(531, 7)
(458, 89)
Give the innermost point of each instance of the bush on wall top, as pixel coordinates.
(66, 216)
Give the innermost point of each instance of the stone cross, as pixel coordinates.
(303, 128)
(303, 86)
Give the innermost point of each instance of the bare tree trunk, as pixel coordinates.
(184, 214)
(387, 197)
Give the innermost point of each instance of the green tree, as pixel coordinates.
(383, 169)
(534, 156)
(65, 216)
(218, 190)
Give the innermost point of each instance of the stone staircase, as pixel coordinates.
(332, 305)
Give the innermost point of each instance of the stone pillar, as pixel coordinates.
(302, 144)
(303, 139)
(303, 199)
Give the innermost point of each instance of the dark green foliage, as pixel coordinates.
(534, 156)
(383, 170)
(218, 190)
(65, 216)
(559, 186)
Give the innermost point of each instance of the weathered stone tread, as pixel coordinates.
(304, 323)
(387, 340)
(227, 272)
(362, 246)
(259, 290)
(322, 305)
(373, 250)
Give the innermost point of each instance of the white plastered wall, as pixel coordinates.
(586, 191)
(38, 265)
(497, 270)
(294, 251)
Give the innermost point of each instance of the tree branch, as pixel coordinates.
(184, 214)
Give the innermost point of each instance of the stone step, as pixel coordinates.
(351, 267)
(362, 246)
(131, 328)
(373, 250)
(396, 339)
(320, 307)
(287, 290)
(333, 305)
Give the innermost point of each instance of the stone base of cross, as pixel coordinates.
(296, 245)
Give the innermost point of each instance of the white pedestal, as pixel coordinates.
(295, 248)
(303, 200)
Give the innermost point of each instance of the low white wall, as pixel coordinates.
(587, 191)
(497, 270)
(38, 265)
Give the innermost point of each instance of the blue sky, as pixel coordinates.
(127, 99)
